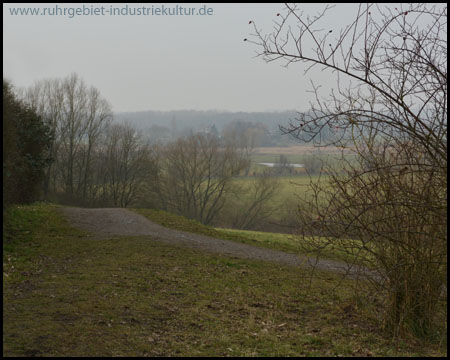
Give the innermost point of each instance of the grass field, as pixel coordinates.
(297, 155)
(286, 197)
(304, 149)
(66, 293)
(293, 187)
(288, 186)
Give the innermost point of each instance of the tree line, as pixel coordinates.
(93, 162)
(26, 142)
(90, 160)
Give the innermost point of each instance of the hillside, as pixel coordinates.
(67, 292)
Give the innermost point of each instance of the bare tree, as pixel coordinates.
(393, 116)
(122, 165)
(76, 115)
(254, 202)
(98, 116)
(243, 136)
(196, 175)
(282, 166)
(312, 164)
(73, 127)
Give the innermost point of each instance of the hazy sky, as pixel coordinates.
(161, 62)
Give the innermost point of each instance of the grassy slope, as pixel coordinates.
(276, 241)
(282, 242)
(67, 294)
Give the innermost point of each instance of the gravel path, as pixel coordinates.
(109, 222)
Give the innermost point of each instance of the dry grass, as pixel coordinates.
(66, 293)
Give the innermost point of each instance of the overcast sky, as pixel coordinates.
(162, 62)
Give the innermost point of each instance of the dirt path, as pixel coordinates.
(109, 222)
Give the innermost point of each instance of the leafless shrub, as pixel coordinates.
(387, 207)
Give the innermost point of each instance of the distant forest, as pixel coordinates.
(165, 126)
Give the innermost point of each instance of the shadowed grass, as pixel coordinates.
(66, 293)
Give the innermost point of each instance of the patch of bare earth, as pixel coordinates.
(112, 222)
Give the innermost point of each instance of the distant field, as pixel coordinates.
(293, 186)
(296, 150)
(284, 203)
(288, 192)
(288, 186)
(294, 155)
